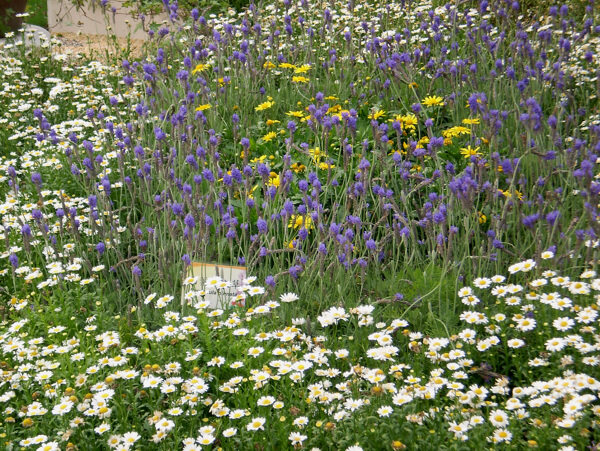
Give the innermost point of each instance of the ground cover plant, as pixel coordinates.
(412, 188)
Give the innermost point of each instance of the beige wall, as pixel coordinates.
(63, 16)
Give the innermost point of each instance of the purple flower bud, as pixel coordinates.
(136, 271)
(371, 244)
(262, 225)
(564, 10)
(159, 134)
(552, 217)
(100, 247)
(295, 271)
(191, 160)
(208, 175)
(189, 221)
(36, 214)
(14, 260)
(263, 169)
(36, 178)
(303, 233)
(106, 186)
(270, 281)
(177, 209)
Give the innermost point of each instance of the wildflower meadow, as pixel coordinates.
(411, 186)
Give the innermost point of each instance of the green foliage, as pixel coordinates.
(38, 13)
(382, 322)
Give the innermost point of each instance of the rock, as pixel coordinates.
(31, 35)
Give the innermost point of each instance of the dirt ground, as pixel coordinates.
(96, 45)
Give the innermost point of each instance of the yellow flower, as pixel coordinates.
(456, 131)
(408, 121)
(295, 113)
(424, 140)
(200, 68)
(251, 193)
(269, 136)
(468, 151)
(340, 114)
(317, 154)
(206, 106)
(272, 121)
(413, 85)
(297, 167)
(264, 106)
(376, 114)
(509, 195)
(297, 221)
(474, 121)
(259, 159)
(326, 166)
(287, 66)
(302, 69)
(300, 79)
(433, 101)
(269, 65)
(334, 109)
(273, 179)
(482, 218)
(398, 151)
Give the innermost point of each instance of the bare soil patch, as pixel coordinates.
(97, 46)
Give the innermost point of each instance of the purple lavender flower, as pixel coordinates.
(270, 281)
(552, 217)
(261, 224)
(177, 209)
(295, 271)
(100, 247)
(36, 178)
(189, 221)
